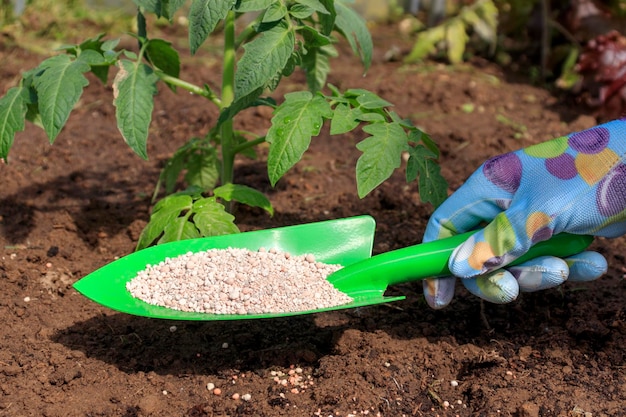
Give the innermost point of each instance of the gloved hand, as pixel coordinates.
(575, 184)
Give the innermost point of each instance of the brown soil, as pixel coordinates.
(71, 208)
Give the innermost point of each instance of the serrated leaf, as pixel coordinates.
(161, 8)
(345, 119)
(91, 58)
(163, 56)
(367, 99)
(109, 45)
(313, 38)
(422, 165)
(171, 7)
(245, 195)
(203, 17)
(264, 58)
(170, 173)
(300, 11)
(371, 117)
(276, 11)
(294, 123)
(382, 154)
(354, 29)
(327, 21)
(179, 229)
(164, 212)
(203, 169)
(59, 87)
(151, 6)
(12, 114)
(133, 89)
(456, 39)
(417, 135)
(317, 67)
(94, 43)
(253, 5)
(211, 218)
(316, 5)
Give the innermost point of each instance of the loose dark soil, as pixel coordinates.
(73, 207)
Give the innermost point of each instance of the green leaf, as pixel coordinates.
(245, 195)
(417, 135)
(211, 218)
(161, 8)
(171, 7)
(203, 169)
(179, 229)
(171, 171)
(264, 58)
(316, 5)
(253, 5)
(426, 43)
(371, 117)
(354, 28)
(313, 38)
(133, 89)
(327, 21)
(203, 17)
(456, 39)
(367, 99)
(164, 213)
(276, 11)
(422, 165)
(317, 67)
(12, 113)
(294, 123)
(345, 119)
(59, 87)
(382, 154)
(300, 11)
(161, 54)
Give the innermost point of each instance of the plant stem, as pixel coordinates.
(228, 95)
(192, 88)
(249, 144)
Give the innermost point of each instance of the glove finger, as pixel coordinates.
(499, 287)
(586, 266)
(438, 292)
(540, 273)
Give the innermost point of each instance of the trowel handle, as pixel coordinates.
(430, 259)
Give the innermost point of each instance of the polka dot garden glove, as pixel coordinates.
(574, 184)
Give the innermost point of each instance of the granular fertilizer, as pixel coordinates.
(238, 281)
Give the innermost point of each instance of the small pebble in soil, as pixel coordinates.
(246, 397)
(454, 383)
(238, 281)
(217, 391)
(173, 329)
(235, 396)
(26, 299)
(210, 386)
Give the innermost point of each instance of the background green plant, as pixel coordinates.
(283, 35)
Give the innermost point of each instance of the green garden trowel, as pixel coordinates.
(348, 242)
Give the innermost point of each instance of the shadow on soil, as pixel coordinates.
(135, 344)
(109, 209)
